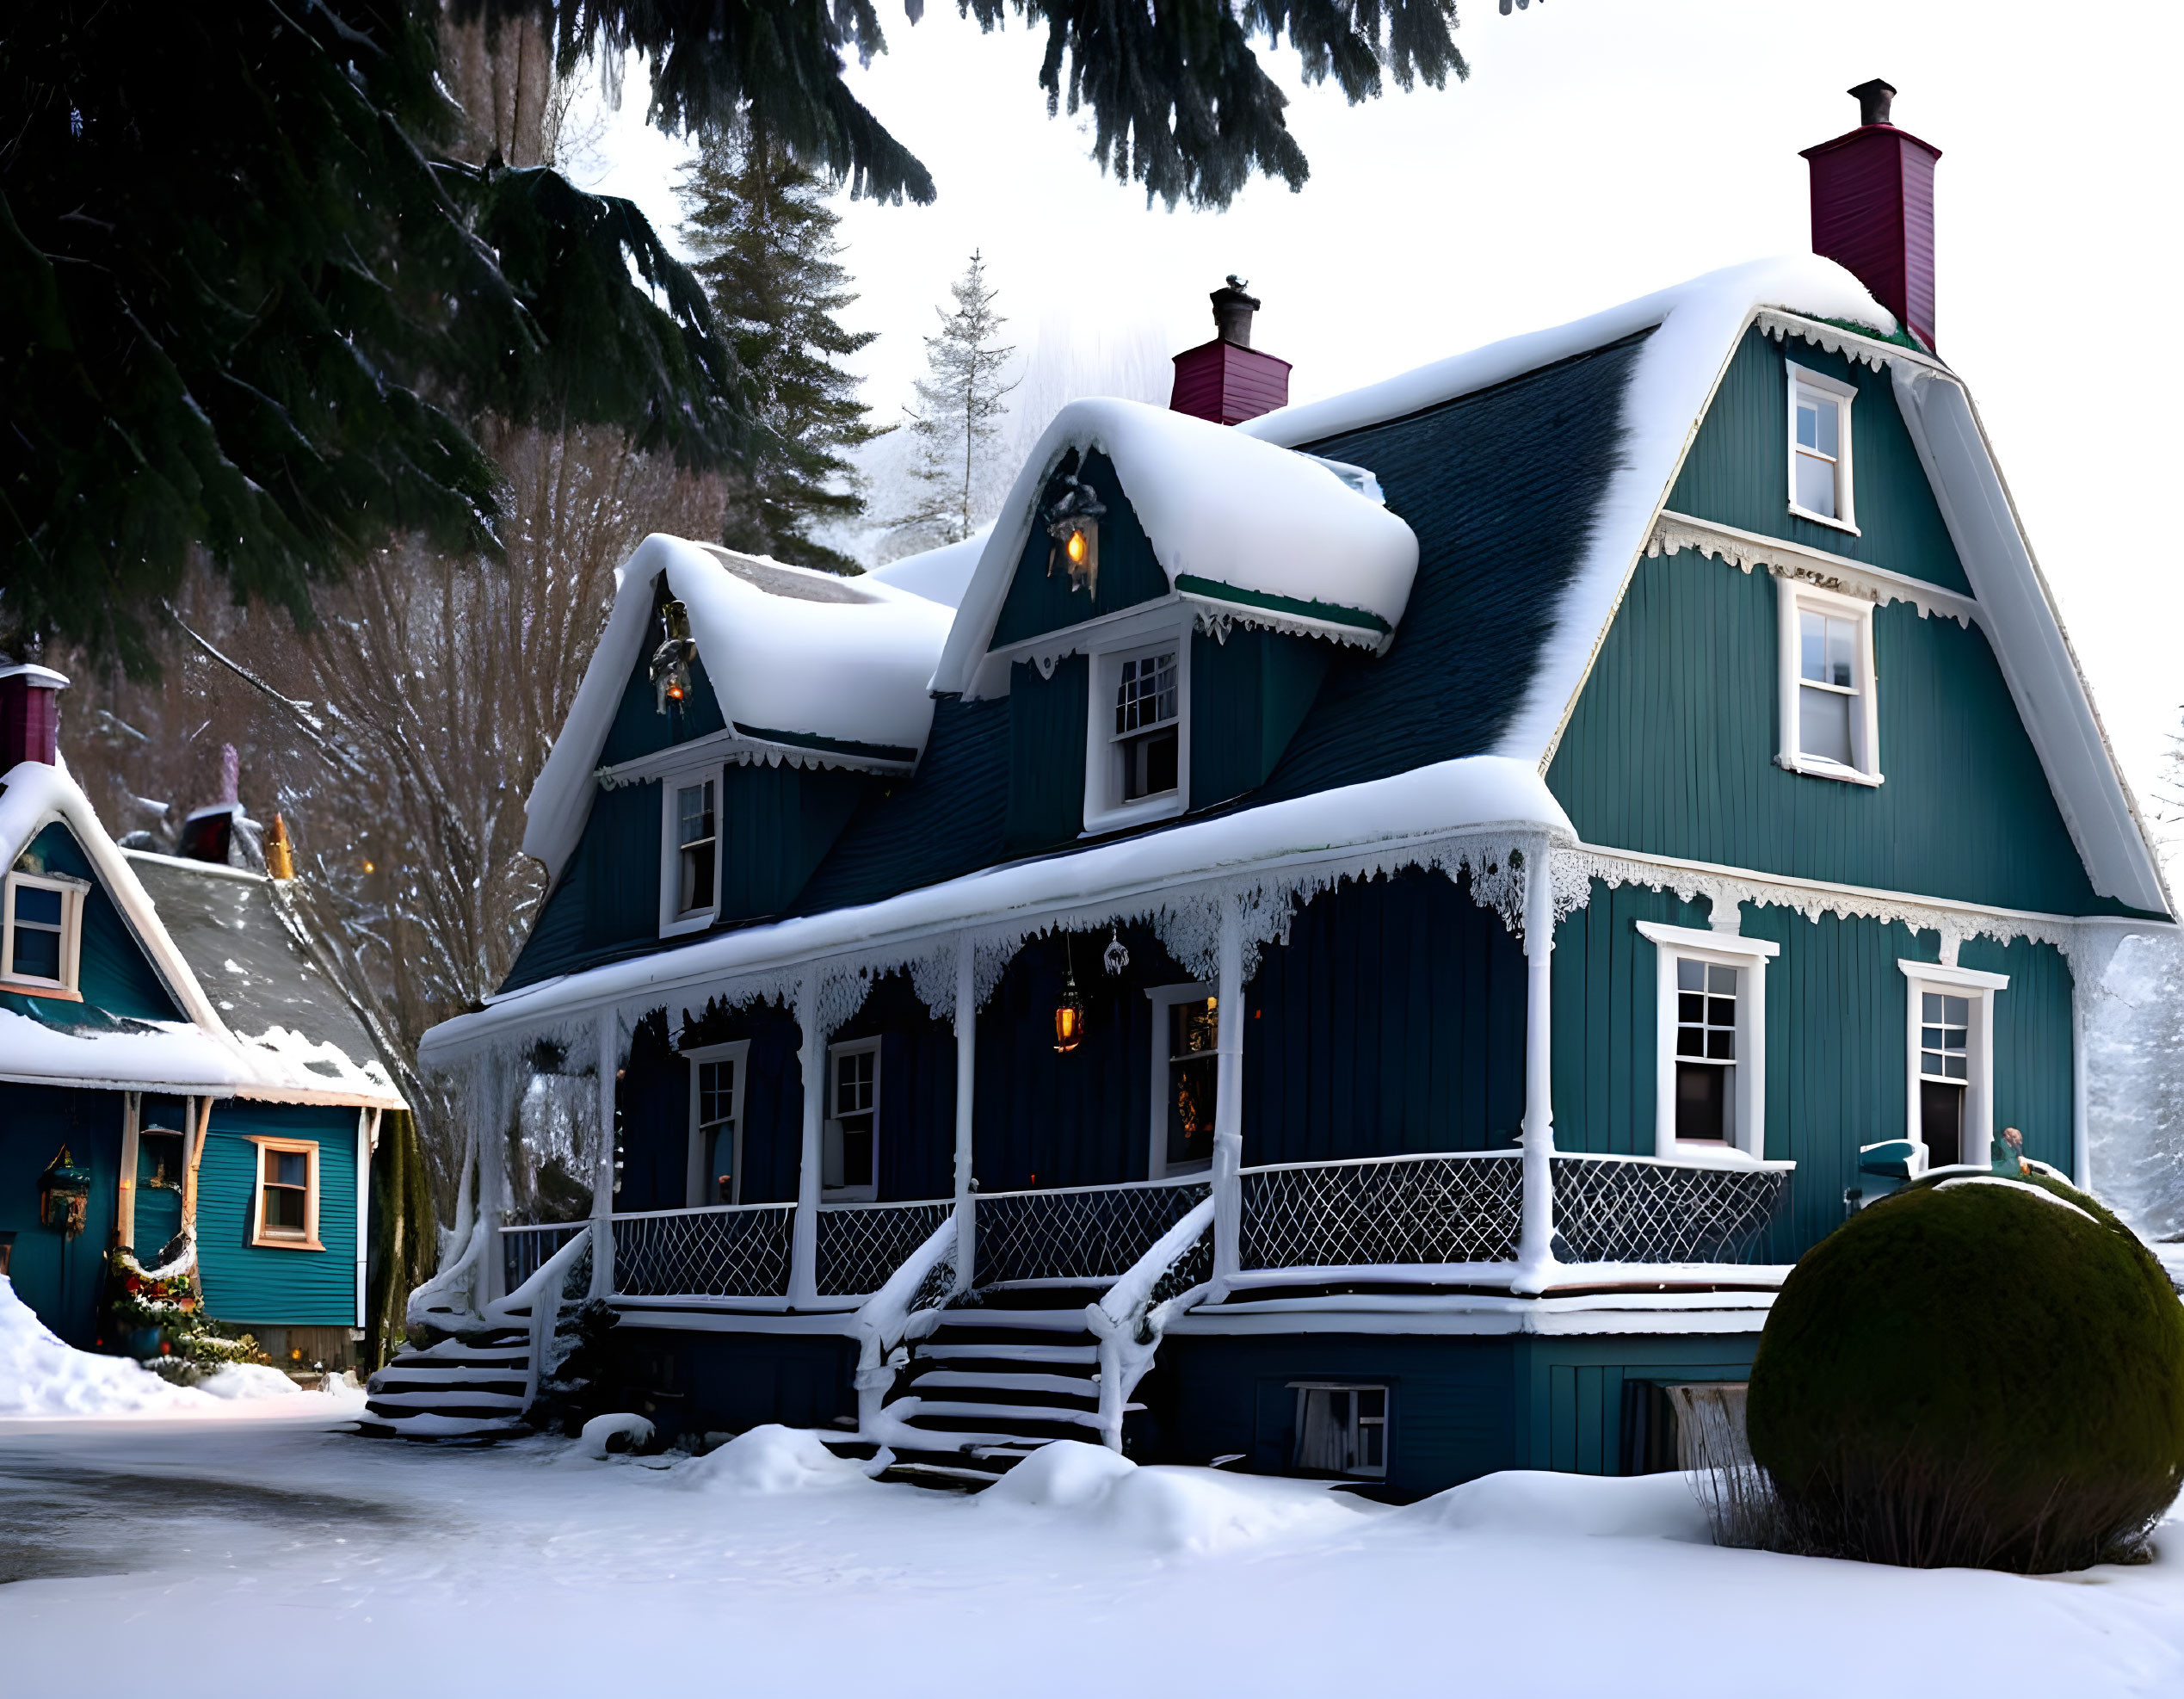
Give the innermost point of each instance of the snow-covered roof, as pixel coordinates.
(941, 574)
(792, 655)
(303, 1039)
(1694, 329)
(1234, 521)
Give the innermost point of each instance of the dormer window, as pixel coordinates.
(39, 927)
(1820, 486)
(690, 869)
(1137, 742)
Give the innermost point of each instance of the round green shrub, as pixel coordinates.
(1973, 1371)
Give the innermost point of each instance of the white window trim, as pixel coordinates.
(675, 922)
(1792, 595)
(1804, 378)
(1749, 956)
(1103, 811)
(831, 1124)
(73, 892)
(1979, 1090)
(698, 1181)
(1363, 1472)
(263, 1143)
(1162, 998)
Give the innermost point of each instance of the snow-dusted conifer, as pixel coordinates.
(962, 400)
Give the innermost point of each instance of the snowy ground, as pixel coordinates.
(174, 1543)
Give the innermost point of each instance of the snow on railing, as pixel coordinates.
(1128, 1320)
(925, 1279)
(525, 1248)
(536, 1304)
(1461, 1208)
(862, 1245)
(1079, 1232)
(1657, 1209)
(730, 1250)
(449, 1299)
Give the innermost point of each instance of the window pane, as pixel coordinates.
(1193, 1087)
(1373, 1404)
(1812, 646)
(1931, 1005)
(1690, 1040)
(1956, 1012)
(1721, 1045)
(1830, 422)
(1823, 724)
(37, 955)
(286, 1168)
(1702, 1101)
(1691, 976)
(723, 1165)
(1721, 981)
(694, 813)
(1193, 1026)
(1959, 1066)
(1150, 764)
(1816, 486)
(1808, 422)
(1691, 1007)
(284, 1208)
(1841, 636)
(1145, 693)
(694, 890)
(37, 906)
(857, 1151)
(1941, 1123)
(716, 1092)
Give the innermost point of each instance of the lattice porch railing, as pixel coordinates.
(524, 1250)
(729, 1252)
(1464, 1207)
(861, 1245)
(1650, 1209)
(1083, 1232)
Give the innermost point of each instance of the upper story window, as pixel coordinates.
(1185, 1078)
(850, 1159)
(716, 1174)
(41, 928)
(1949, 1098)
(1138, 751)
(1709, 1059)
(1828, 708)
(690, 873)
(286, 1205)
(1820, 465)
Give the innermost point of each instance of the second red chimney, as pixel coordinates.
(1872, 209)
(1228, 381)
(29, 714)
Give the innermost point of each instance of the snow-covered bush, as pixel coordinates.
(1976, 1371)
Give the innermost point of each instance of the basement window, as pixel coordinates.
(41, 928)
(1820, 481)
(1828, 704)
(1341, 1430)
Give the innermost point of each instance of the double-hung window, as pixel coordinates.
(39, 929)
(1949, 1086)
(284, 1206)
(1185, 1078)
(716, 1174)
(1137, 742)
(1820, 482)
(1829, 705)
(690, 868)
(1341, 1430)
(1710, 1055)
(850, 1158)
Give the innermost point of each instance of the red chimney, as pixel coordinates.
(29, 715)
(1228, 381)
(1872, 209)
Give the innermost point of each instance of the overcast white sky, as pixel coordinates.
(1601, 149)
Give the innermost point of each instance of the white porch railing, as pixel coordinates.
(1077, 1233)
(526, 1247)
(862, 1245)
(1655, 1209)
(728, 1251)
(1464, 1207)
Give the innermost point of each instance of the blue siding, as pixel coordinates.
(1249, 692)
(1571, 1408)
(1046, 734)
(59, 1277)
(269, 1285)
(114, 975)
(1671, 750)
(653, 1102)
(916, 1090)
(699, 1383)
(1041, 601)
(1737, 471)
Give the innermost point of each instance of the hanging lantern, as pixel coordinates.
(1073, 514)
(1069, 1016)
(670, 666)
(63, 1194)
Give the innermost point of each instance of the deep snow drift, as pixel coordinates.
(532, 1568)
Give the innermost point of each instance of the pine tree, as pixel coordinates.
(760, 224)
(963, 400)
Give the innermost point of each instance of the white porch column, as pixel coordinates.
(2081, 1122)
(1228, 1099)
(966, 1069)
(603, 1179)
(1536, 1243)
(812, 1065)
(367, 1138)
(125, 1191)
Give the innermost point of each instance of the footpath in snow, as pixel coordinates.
(770, 1566)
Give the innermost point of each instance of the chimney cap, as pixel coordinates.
(1233, 305)
(35, 677)
(1873, 100)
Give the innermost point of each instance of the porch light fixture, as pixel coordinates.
(1069, 1015)
(1073, 516)
(670, 666)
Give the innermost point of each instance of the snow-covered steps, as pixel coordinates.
(1000, 1375)
(472, 1387)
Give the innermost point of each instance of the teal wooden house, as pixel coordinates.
(176, 1079)
(1363, 938)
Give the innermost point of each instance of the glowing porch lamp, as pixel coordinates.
(1069, 1016)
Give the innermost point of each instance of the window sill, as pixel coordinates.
(1706, 1153)
(1812, 767)
(1165, 806)
(1797, 512)
(33, 988)
(265, 1242)
(683, 925)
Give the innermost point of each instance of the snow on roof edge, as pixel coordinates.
(942, 574)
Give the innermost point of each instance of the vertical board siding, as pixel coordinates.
(1671, 750)
(1737, 471)
(622, 867)
(1392, 1021)
(1248, 694)
(652, 1099)
(264, 1284)
(639, 727)
(1569, 1392)
(62, 1279)
(1837, 1048)
(1046, 734)
(695, 1383)
(916, 1089)
(775, 825)
(1038, 601)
